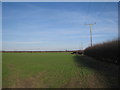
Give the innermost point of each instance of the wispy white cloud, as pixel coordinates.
(37, 26)
(20, 43)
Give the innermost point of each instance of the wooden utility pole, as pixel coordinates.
(90, 32)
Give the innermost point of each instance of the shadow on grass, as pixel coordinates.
(107, 70)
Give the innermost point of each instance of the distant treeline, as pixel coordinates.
(32, 51)
(107, 51)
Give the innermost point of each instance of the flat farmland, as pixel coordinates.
(56, 70)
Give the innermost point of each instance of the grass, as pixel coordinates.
(0, 70)
(56, 70)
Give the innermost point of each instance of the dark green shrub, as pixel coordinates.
(107, 51)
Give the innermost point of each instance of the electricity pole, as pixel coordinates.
(90, 32)
(81, 46)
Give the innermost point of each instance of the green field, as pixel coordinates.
(56, 70)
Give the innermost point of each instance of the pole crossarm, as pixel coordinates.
(89, 24)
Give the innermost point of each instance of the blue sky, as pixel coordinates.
(57, 26)
(0, 26)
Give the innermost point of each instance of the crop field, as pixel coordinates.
(56, 70)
